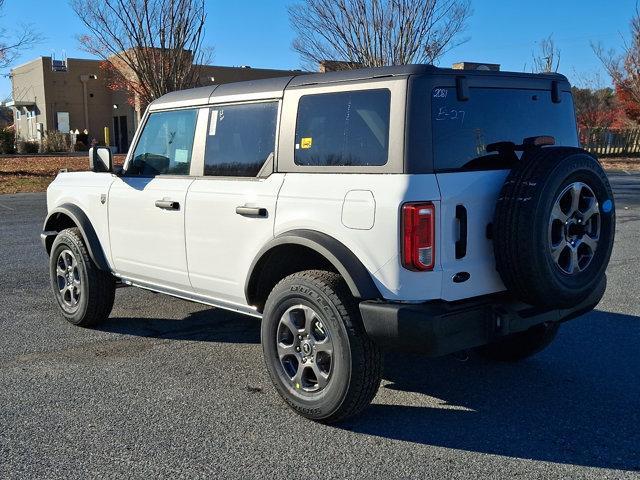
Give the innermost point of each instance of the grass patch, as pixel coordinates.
(23, 183)
(621, 164)
(34, 174)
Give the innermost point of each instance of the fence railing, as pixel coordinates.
(606, 142)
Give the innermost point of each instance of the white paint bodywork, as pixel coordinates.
(315, 202)
(148, 243)
(206, 249)
(477, 192)
(203, 250)
(222, 244)
(85, 189)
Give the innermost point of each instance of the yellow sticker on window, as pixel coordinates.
(306, 142)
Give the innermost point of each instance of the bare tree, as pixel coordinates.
(374, 33)
(624, 68)
(547, 59)
(149, 47)
(11, 46)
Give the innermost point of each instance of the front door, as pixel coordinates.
(232, 207)
(147, 203)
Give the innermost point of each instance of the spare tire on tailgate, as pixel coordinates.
(554, 227)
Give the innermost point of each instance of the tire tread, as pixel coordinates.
(366, 357)
(100, 290)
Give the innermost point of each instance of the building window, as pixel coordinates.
(63, 122)
(17, 114)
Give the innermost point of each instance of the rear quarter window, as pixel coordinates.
(463, 129)
(343, 129)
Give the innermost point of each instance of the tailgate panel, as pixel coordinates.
(477, 192)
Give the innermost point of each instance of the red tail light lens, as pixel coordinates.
(418, 236)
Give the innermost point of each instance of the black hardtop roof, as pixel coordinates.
(204, 94)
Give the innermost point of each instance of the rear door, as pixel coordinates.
(470, 177)
(231, 208)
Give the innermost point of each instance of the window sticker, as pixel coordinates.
(181, 156)
(306, 142)
(213, 124)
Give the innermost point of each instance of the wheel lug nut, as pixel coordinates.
(299, 337)
(297, 349)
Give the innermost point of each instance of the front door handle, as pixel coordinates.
(251, 211)
(168, 204)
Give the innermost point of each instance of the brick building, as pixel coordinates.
(70, 95)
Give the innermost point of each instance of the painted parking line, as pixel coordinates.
(8, 208)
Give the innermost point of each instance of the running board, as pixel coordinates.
(191, 296)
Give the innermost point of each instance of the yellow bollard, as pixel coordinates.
(107, 139)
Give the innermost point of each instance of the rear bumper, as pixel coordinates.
(439, 328)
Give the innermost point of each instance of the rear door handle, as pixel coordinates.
(461, 243)
(168, 204)
(251, 211)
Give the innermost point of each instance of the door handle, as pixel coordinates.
(461, 243)
(168, 204)
(251, 211)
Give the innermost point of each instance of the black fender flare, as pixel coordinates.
(343, 260)
(77, 215)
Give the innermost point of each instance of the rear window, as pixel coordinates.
(463, 129)
(343, 129)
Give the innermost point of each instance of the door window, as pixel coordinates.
(240, 138)
(165, 144)
(343, 129)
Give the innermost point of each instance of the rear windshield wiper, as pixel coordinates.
(502, 155)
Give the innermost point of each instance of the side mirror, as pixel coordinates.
(100, 159)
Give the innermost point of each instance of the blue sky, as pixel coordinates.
(257, 32)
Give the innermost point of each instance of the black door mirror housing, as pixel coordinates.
(101, 159)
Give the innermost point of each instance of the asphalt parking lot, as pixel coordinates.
(173, 389)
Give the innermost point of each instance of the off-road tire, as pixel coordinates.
(521, 345)
(521, 227)
(357, 366)
(98, 287)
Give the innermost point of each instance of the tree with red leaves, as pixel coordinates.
(595, 108)
(624, 69)
(628, 104)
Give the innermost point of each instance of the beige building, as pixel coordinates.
(73, 94)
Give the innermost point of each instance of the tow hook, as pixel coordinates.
(500, 326)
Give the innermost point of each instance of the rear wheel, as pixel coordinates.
(521, 345)
(316, 350)
(84, 293)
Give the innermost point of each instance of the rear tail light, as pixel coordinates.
(418, 236)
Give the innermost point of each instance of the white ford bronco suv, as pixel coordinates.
(407, 207)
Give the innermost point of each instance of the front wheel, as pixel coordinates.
(316, 350)
(84, 293)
